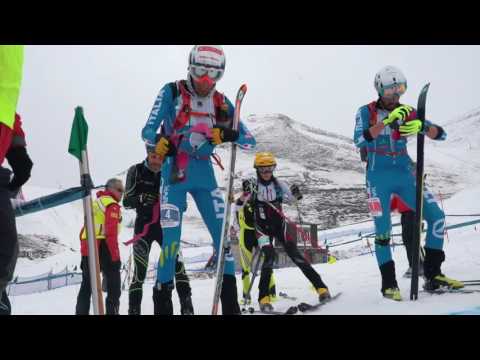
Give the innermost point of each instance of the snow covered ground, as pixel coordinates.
(357, 278)
(453, 165)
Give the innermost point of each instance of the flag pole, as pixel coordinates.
(78, 148)
(93, 261)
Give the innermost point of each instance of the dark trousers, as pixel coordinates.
(8, 247)
(141, 252)
(111, 271)
(293, 253)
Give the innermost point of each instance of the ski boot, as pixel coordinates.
(112, 307)
(441, 281)
(162, 299)
(265, 304)
(389, 283)
(434, 279)
(323, 294)
(134, 311)
(186, 306)
(229, 297)
(246, 300)
(392, 293)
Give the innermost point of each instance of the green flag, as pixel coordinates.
(79, 134)
(11, 65)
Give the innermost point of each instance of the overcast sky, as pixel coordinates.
(321, 86)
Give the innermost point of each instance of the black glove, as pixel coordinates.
(296, 192)
(230, 135)
(247, 186)
(148, 199)
(21, 165)
(222, 135)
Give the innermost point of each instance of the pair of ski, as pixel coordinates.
(467, 290)
(292, 310)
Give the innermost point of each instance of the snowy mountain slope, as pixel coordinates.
(453, 164)
(328, 168)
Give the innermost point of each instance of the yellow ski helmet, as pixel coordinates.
(263, 159)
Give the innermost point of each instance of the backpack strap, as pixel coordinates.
(184, 114)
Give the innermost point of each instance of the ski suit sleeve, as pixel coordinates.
(245, 141)
(163, 111)
(442, 135)
(361, 135)
(287, 195)
(112, 219)
(131, 198)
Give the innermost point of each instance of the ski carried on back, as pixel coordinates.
(224, 247)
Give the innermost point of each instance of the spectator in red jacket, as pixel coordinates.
(107, 217)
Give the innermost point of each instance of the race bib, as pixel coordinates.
(375, 207)
(169, 216)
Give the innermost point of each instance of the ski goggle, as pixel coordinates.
(198, 71)
(266, 169)
(395, 89)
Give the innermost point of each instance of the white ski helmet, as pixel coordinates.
(390, 80)
(207, 60)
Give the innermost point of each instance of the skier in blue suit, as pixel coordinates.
(381, 130)
(194, 118)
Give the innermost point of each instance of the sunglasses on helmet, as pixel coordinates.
(198, 71)
(395, 89)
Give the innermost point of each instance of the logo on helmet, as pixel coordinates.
(211, 49)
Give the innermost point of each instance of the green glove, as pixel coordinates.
(412, 127)
(399, 114)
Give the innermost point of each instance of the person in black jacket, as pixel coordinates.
(142, 194)
(21, 164)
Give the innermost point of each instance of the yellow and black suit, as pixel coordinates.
(247, 241)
